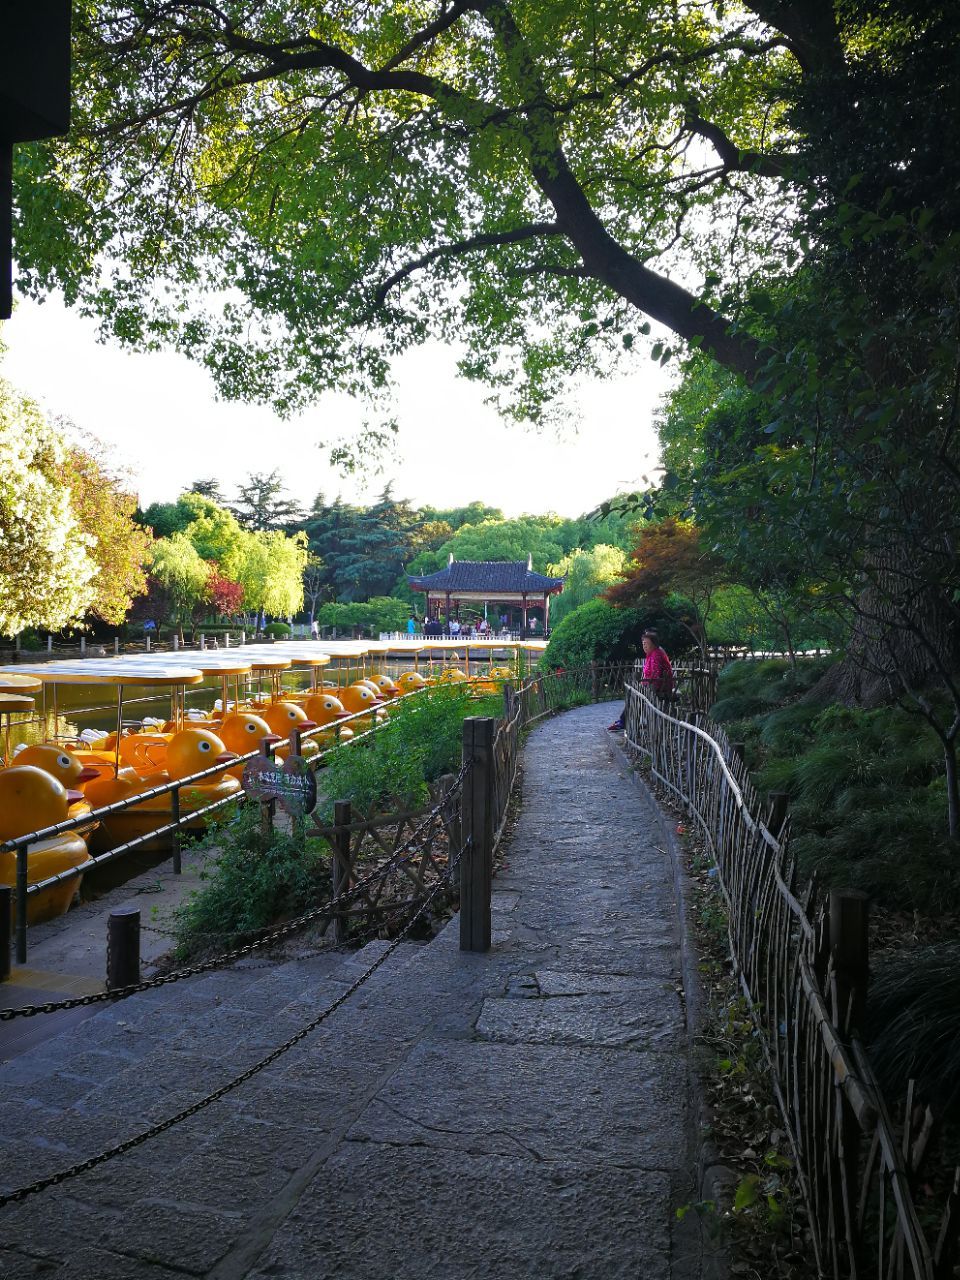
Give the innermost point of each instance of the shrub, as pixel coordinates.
(735, 707)
(277, 630)
(421, 741)
(380, 613)
(599, 632)
(250, 883)
(868, 794)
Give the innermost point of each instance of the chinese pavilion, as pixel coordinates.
(490, 583)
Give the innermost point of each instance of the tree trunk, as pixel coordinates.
(904, 634)
(953, 787)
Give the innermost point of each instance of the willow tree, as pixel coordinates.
(539, 181)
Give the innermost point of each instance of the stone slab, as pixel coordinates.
(376, 1212)
(589, 1106)
(644, 1016)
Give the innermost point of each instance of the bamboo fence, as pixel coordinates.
(800, 958)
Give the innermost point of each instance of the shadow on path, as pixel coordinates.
(463, 1117)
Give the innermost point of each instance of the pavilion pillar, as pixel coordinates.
(446, 620)
(546, 613)
(523, 632)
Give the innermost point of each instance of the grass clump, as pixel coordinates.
(250, 883)
(914, 1024)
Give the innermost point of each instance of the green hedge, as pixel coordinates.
(599, 632)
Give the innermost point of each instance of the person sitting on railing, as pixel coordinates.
(657, 675)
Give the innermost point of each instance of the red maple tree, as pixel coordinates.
(224, 594)
(670, 560)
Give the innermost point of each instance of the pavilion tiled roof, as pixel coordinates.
(491, 576)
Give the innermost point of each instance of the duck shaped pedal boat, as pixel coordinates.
(411, 682)
(188, 752)
(68, 770)
(360, 697)
(386, 685)
(283, 717)
(30, 800)
(326, 710)
(243, 732)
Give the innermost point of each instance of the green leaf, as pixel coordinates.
(747, 1193)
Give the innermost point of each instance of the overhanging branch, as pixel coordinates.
(459, 248)
(766, 164)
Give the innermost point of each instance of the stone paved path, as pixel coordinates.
(523, 1113)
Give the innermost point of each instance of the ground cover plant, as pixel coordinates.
(251, 881)
(867, 787)
(421, 741)
(869, 810)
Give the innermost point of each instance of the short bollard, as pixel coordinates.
(6, 919)
(123, 948)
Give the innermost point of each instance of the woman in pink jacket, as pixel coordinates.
(657, 676)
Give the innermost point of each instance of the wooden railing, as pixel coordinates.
(801, 961)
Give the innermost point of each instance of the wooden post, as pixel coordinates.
(297, 823)
(6, 920)
(508, 703)
(123, 948)
(594, 683)
(340, 863)
(267, 807)
(476, 867)
(779, 803)
(849, 917)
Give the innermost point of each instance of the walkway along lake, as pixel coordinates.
(521, 1112)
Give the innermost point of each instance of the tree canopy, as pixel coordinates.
(523, 176)
(69, 545)
(262, 503)
(105, 511)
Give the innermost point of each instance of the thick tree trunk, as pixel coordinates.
(904, 637)
(953, 787)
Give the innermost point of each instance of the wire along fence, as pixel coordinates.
(801, 961)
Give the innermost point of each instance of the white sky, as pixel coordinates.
(159, 414)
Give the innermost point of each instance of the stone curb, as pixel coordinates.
(713, 1179)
